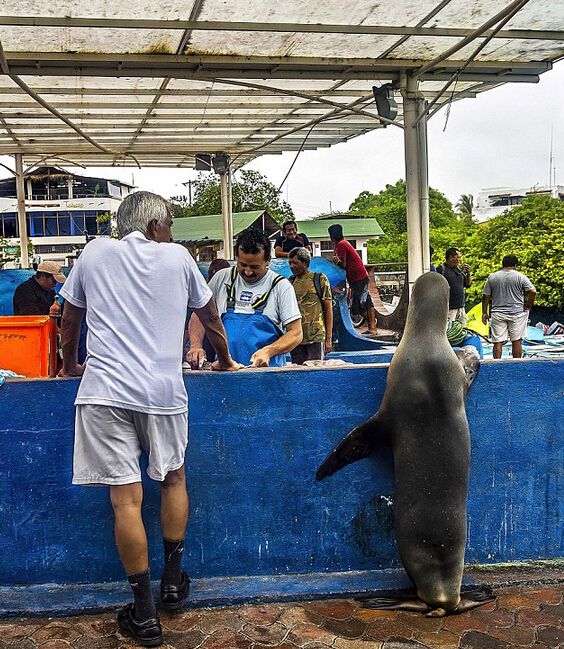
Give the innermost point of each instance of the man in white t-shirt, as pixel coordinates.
(507, 299)
(258, 308)
(135, 292)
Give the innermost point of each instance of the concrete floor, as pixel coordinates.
(528, 612)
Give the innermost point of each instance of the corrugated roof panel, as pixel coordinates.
(164, 9)
(77, 39)
(167, 107)
(290, 44)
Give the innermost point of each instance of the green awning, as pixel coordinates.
(210, 227)
(367, 227)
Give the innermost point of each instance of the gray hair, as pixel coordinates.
(302, 254)
(138, 210)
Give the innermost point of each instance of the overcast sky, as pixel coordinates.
(501, 138)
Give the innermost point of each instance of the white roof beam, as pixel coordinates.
(232, 26)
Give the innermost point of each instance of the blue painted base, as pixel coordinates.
(256, 440)
(365, 357)
(78, 599)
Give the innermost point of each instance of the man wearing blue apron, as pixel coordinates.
(258, 307)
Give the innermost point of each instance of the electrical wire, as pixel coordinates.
(296, 157)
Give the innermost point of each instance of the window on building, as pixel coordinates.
(51, 229)
(91, 224)
(77, 223)
(326, 245)
(64, 226)
(9, 226)
(36, 226)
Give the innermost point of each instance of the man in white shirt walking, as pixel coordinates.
(135, 292)
(507, 299)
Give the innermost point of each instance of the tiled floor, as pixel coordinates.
(529, 613)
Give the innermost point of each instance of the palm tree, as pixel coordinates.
(465, 204)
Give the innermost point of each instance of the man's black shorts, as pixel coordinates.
(360, 297)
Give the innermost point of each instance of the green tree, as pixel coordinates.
(534, 231)
(250, 191)
(465, 204)
(106, 224)
(389, 207)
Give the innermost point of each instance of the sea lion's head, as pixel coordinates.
(428, 305)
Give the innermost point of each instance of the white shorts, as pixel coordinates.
(108, 443)
(508, 327)
(458, 314)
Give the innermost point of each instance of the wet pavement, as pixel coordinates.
(528, 612)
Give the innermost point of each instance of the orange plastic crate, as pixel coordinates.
(24, 344)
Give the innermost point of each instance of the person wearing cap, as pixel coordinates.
(345, 256)
(36, 295)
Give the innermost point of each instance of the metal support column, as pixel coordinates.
(230, 206)
(424, 183)
(226, 215)
(22, 226)
(415, 140)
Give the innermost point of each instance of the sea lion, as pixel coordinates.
(423, 418)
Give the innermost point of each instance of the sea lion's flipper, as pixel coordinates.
(470, 362)
(396, 604)
(472, 598)
(361, 442)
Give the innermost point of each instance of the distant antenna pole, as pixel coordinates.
(330, 208)
(550, 158)
(190, 193)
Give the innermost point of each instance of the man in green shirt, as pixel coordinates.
(313, 293)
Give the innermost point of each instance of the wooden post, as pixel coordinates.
(22, 225)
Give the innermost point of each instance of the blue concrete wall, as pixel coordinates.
(256, 439)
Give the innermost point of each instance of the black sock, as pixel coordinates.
(144, 603)
(173, 551)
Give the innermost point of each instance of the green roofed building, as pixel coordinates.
(357, 231)
(203, 235)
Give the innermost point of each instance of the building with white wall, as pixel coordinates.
(61, 208)
(495, 200)
(357, 231)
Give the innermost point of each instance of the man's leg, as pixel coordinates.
(175, 505)
(368, 308)
(462, 317)
(174, 519)
(516, 348)
(372, 326)
(517, 327)
(499, 333)
(131, 542)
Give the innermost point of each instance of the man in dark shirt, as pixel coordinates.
(459, 277)
(36, 295)
(290, 239)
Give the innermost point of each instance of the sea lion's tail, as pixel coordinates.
(361, 442)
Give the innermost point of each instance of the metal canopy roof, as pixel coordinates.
(154, 83)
